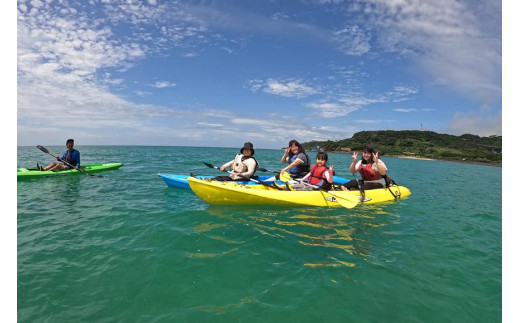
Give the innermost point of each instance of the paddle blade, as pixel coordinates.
(347, 201)
(43, 149)
(285, 177)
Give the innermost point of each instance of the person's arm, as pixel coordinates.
(295, 163)
(77, 160)
(305, 177)
(381, 167)
(251, 164)
(284, 157)
(352, 168)
(226, 166)
(329, 174)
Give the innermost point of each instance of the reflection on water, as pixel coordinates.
(64, 188)
(211, 255)
(69, 191)
(331, 237)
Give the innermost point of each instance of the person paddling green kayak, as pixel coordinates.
(70, 159)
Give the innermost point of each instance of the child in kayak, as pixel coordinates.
(243, 166)
(70, 156)
(320, 175)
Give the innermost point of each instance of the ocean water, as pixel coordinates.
(125, 247)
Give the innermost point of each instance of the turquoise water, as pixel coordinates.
(126, 248)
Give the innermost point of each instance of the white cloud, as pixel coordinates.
(403, 90)
(61, 86)
(478, 124)
(405, 110)
(216, 113)
(143, 93)
(369, 121)
(352, 40)
(455, 42)
(293, 88)
(48, 43)
(279, 16)
(332, 109)
(341, 102)
(255, 85)
(286, 88)
(163, 84)
(206, 124)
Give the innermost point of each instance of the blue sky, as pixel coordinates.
(218, 73)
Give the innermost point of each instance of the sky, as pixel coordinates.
(219, 73)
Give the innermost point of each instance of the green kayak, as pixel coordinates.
(23, 173)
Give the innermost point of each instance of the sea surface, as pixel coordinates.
(125, 247)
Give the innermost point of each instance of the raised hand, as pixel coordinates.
(354, 156)
(376, 156)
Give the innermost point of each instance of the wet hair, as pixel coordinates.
(322, 156)
(70, 140)
(370, 150)
(300, 147)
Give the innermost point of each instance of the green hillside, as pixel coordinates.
(426, 144)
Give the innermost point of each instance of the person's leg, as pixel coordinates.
(372, 185)
(351, 184)
(222, 178)
(51, 165)
(57, 166)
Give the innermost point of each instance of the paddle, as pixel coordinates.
(81, 170)
(361, 190)
(263, 170)
(285, 177)
(252, 179)
(343, 201)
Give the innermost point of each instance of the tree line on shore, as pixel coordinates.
(418, 143)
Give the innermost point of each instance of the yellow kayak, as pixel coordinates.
(230, 193)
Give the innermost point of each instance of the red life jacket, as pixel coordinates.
(316, 175)
(367, 173)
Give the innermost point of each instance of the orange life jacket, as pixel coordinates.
(367, 173)
(316, 175)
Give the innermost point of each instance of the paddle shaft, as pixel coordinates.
(361, 190)
(267, 170)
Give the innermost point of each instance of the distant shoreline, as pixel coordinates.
(475, 162)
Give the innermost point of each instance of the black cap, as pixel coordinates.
(249, 146)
